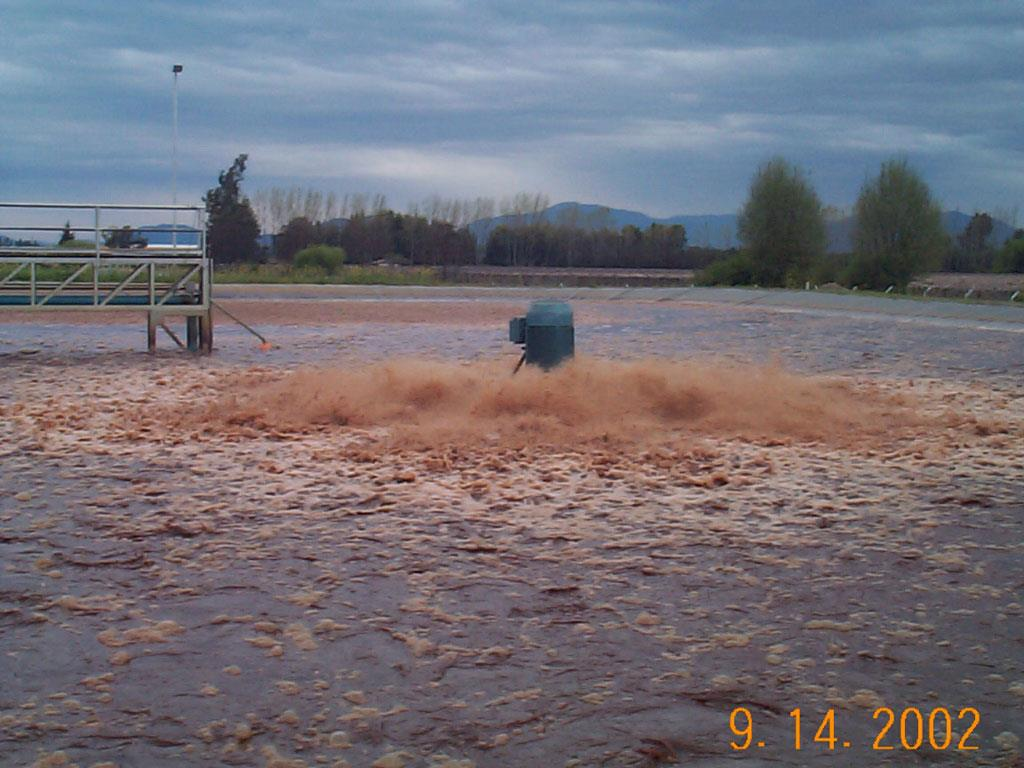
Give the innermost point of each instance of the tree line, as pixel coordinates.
(544, 244)
(407, 238)
(383, 236)
(434, 232)
(974, 251)
(897, 232)
(277, 206)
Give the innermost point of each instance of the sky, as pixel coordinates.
(662, 107)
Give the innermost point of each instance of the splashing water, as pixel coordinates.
(429, 402)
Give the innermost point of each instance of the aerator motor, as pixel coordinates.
(547, 333)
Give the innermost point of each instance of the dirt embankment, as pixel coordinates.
(982, 285)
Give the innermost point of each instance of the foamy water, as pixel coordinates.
(427, 563)
(434, 401)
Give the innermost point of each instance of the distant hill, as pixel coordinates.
(955, 222)
(715, 230)
(162, 234)
(840, 233)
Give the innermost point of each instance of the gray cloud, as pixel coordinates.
(662, 106)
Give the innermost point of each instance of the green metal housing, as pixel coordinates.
(547, 331)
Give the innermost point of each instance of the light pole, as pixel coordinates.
(176, 70)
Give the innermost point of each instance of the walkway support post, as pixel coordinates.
(192, 333)
(206, 332)
(151, 331)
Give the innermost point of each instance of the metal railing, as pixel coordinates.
(107, 274)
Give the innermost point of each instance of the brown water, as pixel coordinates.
(436, 402)
(419, 564)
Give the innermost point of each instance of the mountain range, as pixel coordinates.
(716, 230)
(163, 234)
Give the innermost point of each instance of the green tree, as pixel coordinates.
(976, 233)
(782, 226)
(973, 253)
(1010, 257)
(232, 228)
(297, 234)
(897, 229)
(67, 234)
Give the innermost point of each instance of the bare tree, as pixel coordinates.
(260, 202)
(523, 208)
(313, 205)
(483, 208)
(331, 206)
(277, 210)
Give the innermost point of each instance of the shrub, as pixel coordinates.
(1010, 257)
(326, 257)
(737, 269)
(831, 268)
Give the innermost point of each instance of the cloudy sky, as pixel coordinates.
(664, 107)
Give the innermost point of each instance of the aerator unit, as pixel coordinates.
(546, 333)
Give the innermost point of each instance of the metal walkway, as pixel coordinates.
(116, 270)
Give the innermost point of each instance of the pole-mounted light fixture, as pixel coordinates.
(176, 69)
